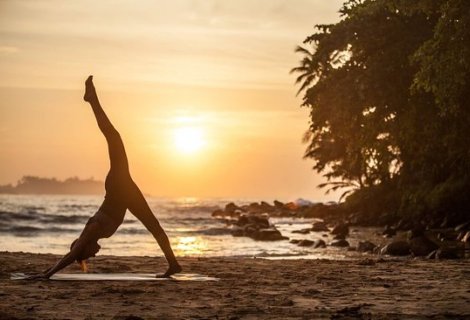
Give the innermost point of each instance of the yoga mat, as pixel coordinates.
(118, 277)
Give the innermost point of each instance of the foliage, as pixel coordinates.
(387, 90)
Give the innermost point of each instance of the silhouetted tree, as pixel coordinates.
(387, 89)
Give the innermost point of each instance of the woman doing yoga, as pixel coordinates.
(121, 194)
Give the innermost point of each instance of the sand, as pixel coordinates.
(372, 288)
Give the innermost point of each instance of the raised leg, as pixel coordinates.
(117, 152)
(141, 210)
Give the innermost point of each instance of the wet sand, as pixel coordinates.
(372, 288)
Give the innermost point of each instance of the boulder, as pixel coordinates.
(444, 253)
(305, 243)
(319, 244)
(218, 213)
(261, 221)
(291, 206)
(396, 248)
(278, 204)
(339, 237)
(302, 231)
(231, 207)
(341, 229)
(319, 226)
(421, 246)
(365, 246)
(270, 234)
(266, 207)
(416, 231)
(238, 232)
(340, 243)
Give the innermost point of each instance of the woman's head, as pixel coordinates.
(90, 250)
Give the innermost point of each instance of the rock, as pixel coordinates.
(319, 244)
(421, 246)
(319, 226)
(238, 232)
(365, 246)
(340, 243)
(295, 241)
(339, 237)
(463, 227)
(305, 243)
(302, 231)
(396, 248)
(218, 213)
(270, 234)
(291, 206)
(266, 207)
(403, 225)
(243, 220)
(261, 221)
(416, 231)
(389, 232)
(254, 207)
(231, 207)
(278, 204)
(341, 229)
(447, 253)
(303, 203)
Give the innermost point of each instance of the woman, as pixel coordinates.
(121, 194)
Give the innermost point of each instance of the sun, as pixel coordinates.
(189, 139)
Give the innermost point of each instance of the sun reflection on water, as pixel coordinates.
(190, 246)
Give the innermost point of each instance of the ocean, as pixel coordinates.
(49, 224)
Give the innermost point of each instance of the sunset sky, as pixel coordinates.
(199, 90)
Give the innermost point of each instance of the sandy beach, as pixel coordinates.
(375, 288)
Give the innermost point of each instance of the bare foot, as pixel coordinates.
(171, 270)
(90, 92)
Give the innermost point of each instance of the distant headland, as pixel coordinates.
(40, 185)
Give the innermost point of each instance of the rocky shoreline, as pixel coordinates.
(332, 221)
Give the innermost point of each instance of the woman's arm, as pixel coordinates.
(89, 235)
